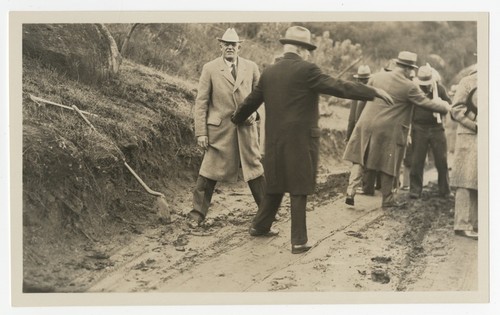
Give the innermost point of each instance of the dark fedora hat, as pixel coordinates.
(298, 35)
(408, 59)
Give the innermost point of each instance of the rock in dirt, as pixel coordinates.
(99, 255)
(355, 234)
(381, 259)
(379, 275)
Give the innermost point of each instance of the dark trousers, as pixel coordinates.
(371, 181)
(387, 185)
(202, 194)
(268, 209)
(424, 137)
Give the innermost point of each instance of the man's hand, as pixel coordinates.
(250, 120)
(383, 95)
(203, 142)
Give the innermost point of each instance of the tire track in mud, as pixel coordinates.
(365, 248)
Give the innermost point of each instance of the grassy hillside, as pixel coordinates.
(75, 186)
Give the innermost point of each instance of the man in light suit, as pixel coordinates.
(223, 84)
(379, 138)
(290, 89)
(464, 173)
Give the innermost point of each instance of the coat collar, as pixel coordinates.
(241, 70)
(291, 55)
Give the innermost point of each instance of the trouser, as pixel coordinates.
(387, 185)
(371, 181)
(268, 209)
(465, 209)
(202, 194)
(355, 179)
(424, 137)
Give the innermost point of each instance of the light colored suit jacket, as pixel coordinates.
(464, 172)
(229, 146)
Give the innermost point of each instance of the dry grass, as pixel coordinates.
(73, 177)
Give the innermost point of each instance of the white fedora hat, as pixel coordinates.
(364, 72)
(230, 36)
(424, 75)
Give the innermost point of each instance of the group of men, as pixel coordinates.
(231, 90)
(427, 132)
(426, 124)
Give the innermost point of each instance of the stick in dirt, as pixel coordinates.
(161, 205)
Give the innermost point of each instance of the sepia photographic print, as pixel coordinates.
(168, 158)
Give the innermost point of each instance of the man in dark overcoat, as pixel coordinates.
(290, 89)
(379, 138)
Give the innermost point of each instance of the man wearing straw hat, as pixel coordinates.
(290, 89)
(223, 84)
(428, 132)
(379, 138)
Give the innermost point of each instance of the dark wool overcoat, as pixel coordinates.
(379, 138)
(290, 90)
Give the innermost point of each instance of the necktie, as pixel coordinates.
(233, 70)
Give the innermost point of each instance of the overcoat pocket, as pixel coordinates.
(214, 121)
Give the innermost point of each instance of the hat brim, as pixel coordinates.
(308, 46)
(228, 41)
(424, 82)
(406, 64)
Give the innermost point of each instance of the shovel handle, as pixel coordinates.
(143, 184)
(76, 109)
(39, 99)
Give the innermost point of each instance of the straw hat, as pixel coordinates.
(424, 75)
(363, 72)
(408, 59)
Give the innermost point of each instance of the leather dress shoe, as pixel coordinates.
(297, 249)
(194, 219)
(470, 234)
(393, 204)
(255, 232)
(349, 201)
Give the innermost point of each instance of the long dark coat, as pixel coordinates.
(290, 89)
(379, 137)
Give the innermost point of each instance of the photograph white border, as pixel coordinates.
(234, 298)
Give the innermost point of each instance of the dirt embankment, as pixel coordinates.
(76, 189)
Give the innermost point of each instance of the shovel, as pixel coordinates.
(160, 205)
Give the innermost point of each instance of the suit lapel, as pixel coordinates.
(225, 71)
(242, 69)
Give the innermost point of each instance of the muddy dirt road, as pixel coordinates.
(361, 248)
